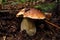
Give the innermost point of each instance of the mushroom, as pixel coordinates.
(4, 37)
(33, 14)
(26, 24)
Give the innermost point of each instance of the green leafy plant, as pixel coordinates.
(46, 6)
(22, 1)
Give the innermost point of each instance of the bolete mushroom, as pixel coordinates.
(27, 24)
(33, 14)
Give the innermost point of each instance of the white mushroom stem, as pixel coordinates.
(28, 26)
(4, 37)
(52, 24)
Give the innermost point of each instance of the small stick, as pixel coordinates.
(52, 24)
(4, 37)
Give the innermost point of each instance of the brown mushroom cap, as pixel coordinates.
(32, 13)
(21, 12)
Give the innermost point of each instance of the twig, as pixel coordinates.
(52, 24)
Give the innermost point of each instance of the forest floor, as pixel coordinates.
(10, 28)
